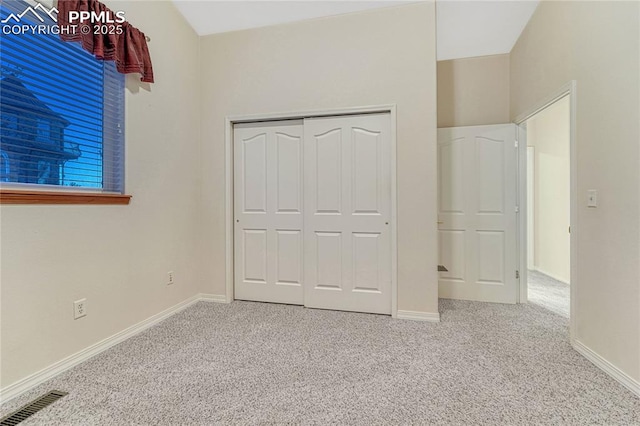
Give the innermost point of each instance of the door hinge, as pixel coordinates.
(515, 143)
(517, 275)
(517, 209)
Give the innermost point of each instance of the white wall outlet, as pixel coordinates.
(79, 308)
(592, 198)
(170, 278)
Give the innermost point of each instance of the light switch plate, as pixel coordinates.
(592, 198)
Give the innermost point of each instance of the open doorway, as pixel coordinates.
(549, 206)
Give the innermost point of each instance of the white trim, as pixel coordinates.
(215, 298)
(64, 364)
(29, 382)
(394, 216)
(418, 316)
(228, 196)
(522, 216)
(291, 115)
(618, 375)
(569, 89)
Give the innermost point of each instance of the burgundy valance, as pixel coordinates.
(116, 41)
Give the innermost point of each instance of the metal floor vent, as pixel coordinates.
(31, 408)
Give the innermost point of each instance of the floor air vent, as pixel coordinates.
(31, 408)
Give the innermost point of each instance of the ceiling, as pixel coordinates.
(465, 28)
(479, 28)
(210, 17)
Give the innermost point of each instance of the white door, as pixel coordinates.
(268, 211)
(477, 181)
(347, 210)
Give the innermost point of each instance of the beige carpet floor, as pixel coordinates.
(257, 363)
(548, 293)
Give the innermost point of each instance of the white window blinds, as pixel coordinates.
(62, 110)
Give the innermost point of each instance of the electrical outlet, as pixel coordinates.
(169, 277)
(79, 308)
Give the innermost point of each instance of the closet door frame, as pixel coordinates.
(230, 121)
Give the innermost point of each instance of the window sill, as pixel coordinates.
(10, 196)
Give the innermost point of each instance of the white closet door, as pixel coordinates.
(347, 210)
(268, 211)
(477, 179)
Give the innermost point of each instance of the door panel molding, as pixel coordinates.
(231, 121)
(356, 173)
(477, 215)
(268, 250)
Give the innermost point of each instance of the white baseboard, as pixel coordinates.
(61, 366)
(418, 316)
(216, 298)
(29, 382)
(620, 376)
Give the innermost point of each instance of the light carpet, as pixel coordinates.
(549, 293)
(258, 363)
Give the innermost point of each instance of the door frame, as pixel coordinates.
(530, 207)
(569, 89)
(231, 120)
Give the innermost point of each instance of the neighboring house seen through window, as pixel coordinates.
(62, 111)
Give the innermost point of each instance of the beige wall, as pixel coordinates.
(473, 91)
(548, 133)
(378, 57)
(596, 44)
(115, 256)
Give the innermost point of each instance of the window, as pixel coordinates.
(62, 110)
(4, 166)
